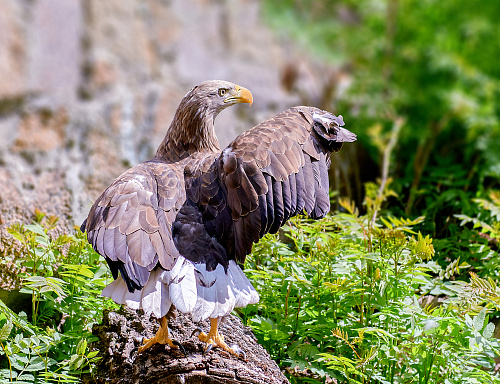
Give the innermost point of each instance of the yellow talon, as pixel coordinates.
(215, 339)
(161, 337)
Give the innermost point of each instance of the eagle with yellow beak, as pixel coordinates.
(175, 230)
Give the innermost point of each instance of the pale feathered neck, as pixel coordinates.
(191, 130)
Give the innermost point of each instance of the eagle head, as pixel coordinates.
(192, 128)
(213, 96)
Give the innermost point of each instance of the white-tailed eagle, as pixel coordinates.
(175, 229)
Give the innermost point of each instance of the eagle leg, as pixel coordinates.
(215, 339)
(161, 337)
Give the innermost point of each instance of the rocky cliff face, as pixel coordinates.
(89, 87)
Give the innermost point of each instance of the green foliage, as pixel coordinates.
(348, 297)
(432, 65)
(482, 249)
(488, 219)
(64, 277)
(355, 297)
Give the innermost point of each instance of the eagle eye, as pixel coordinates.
(222, 92)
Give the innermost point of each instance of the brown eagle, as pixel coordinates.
(178, 227)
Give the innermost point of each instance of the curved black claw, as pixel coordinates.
(181, 347)
(209, 348)
(240, 352)
(197, 331)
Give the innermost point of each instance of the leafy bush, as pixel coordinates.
(487, 222)
(356, 298)
(360, 299)
(64, 277)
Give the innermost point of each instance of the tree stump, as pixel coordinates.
(121, 334)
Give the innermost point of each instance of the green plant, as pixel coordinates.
(64, 277)
(485, 226)
(345, 298)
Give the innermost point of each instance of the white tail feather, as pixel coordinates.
(109, 290)
(244, 292)
(220, 292)
(120, 294)
(190, 288)
(182, 285)
(155, 298)
(163, 288)
(206, 292)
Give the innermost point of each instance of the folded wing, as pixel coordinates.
(130, 224)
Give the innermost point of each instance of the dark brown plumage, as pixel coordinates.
(175, 226)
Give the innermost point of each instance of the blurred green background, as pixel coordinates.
(423, 72)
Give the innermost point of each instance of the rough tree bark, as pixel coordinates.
(121, 333)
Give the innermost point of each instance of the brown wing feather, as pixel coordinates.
(130, 224)
(267, 175)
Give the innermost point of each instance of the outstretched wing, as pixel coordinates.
(268, 174)
(130, 224)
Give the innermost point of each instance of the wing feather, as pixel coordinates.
(131, 222)
(109, 244)
(100, 241)
(270, 204)
(115, 215)
(276, 168)
(287, 200)
(310, 188)
(322, 202)
(279, 213)
(301, 190)
(292, 180)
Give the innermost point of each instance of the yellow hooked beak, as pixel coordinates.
(243, 95)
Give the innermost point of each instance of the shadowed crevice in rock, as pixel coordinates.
(121, 333)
